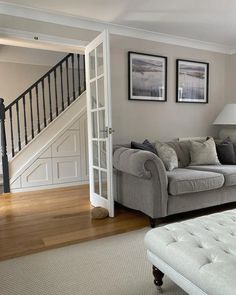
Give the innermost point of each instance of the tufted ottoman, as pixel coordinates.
(199, 254)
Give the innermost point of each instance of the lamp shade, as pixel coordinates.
(227, 116)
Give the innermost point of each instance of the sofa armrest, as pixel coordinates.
(141, 181)
(136, 163)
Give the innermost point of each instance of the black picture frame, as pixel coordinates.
(141, 61)
(190, 72)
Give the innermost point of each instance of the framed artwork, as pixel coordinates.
(192, 81)
(147, 77)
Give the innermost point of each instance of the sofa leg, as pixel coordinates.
(152, 222)
(158, 276)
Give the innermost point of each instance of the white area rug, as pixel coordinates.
(115, 265)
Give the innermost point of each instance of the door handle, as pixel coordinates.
(108, 131)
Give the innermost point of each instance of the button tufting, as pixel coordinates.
(220, 223)
(208, 261)
(172, 242)
(226, 251)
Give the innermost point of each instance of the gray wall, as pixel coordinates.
(137, 120)
(16, 78)
(230, 89)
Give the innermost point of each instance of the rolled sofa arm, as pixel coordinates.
(140, 181)
(135, 162)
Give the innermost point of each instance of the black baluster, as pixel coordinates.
(44, 107)
(18, 125)
(25, 121)
(67, 80)
(55, 83)
(79, 76)
(31, 114)
(50, 97)
(5, 168)
(62, 91)
(73, 75)
(37, 104)
(84, 72)
(12, 135)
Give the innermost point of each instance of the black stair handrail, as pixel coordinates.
(39, 81)
(39, 105)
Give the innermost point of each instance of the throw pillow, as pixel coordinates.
(225, 152)
(203, 153)
(145, 146)
(167, 154)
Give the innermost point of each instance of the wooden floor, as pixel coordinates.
(36, 221)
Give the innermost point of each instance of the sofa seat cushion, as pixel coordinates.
(184, 181)
(229, 172)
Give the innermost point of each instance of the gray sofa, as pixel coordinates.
(142, 183)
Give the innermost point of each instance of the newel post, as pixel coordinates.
(5, 168)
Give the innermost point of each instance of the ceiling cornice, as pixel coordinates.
(76, 22)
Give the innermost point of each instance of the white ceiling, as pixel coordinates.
(205, 20)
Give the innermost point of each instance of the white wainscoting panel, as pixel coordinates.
(67, 144)
(46, 154)
(38, 174)
(66, 169)
(16, 184)
(84, 148)
(76, 125)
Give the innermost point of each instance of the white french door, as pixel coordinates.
(98, 84)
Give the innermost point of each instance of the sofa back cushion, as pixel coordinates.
(203, 153)
(225, 151)
(182, 149)
(167, 154)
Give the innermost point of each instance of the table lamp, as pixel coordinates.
(227, 117)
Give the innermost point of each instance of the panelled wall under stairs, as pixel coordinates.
(63, 163)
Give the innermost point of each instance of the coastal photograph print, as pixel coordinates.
(147, 77)
(191, 81)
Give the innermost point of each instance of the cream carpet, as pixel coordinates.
(115, 265)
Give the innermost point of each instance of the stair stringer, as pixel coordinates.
(41, 148)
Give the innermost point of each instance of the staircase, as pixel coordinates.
(33, 113)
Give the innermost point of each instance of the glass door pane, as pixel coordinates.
(92, 64)
(100, 59)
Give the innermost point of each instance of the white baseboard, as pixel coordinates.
(44, 187)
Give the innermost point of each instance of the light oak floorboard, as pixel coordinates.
(36, 221)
